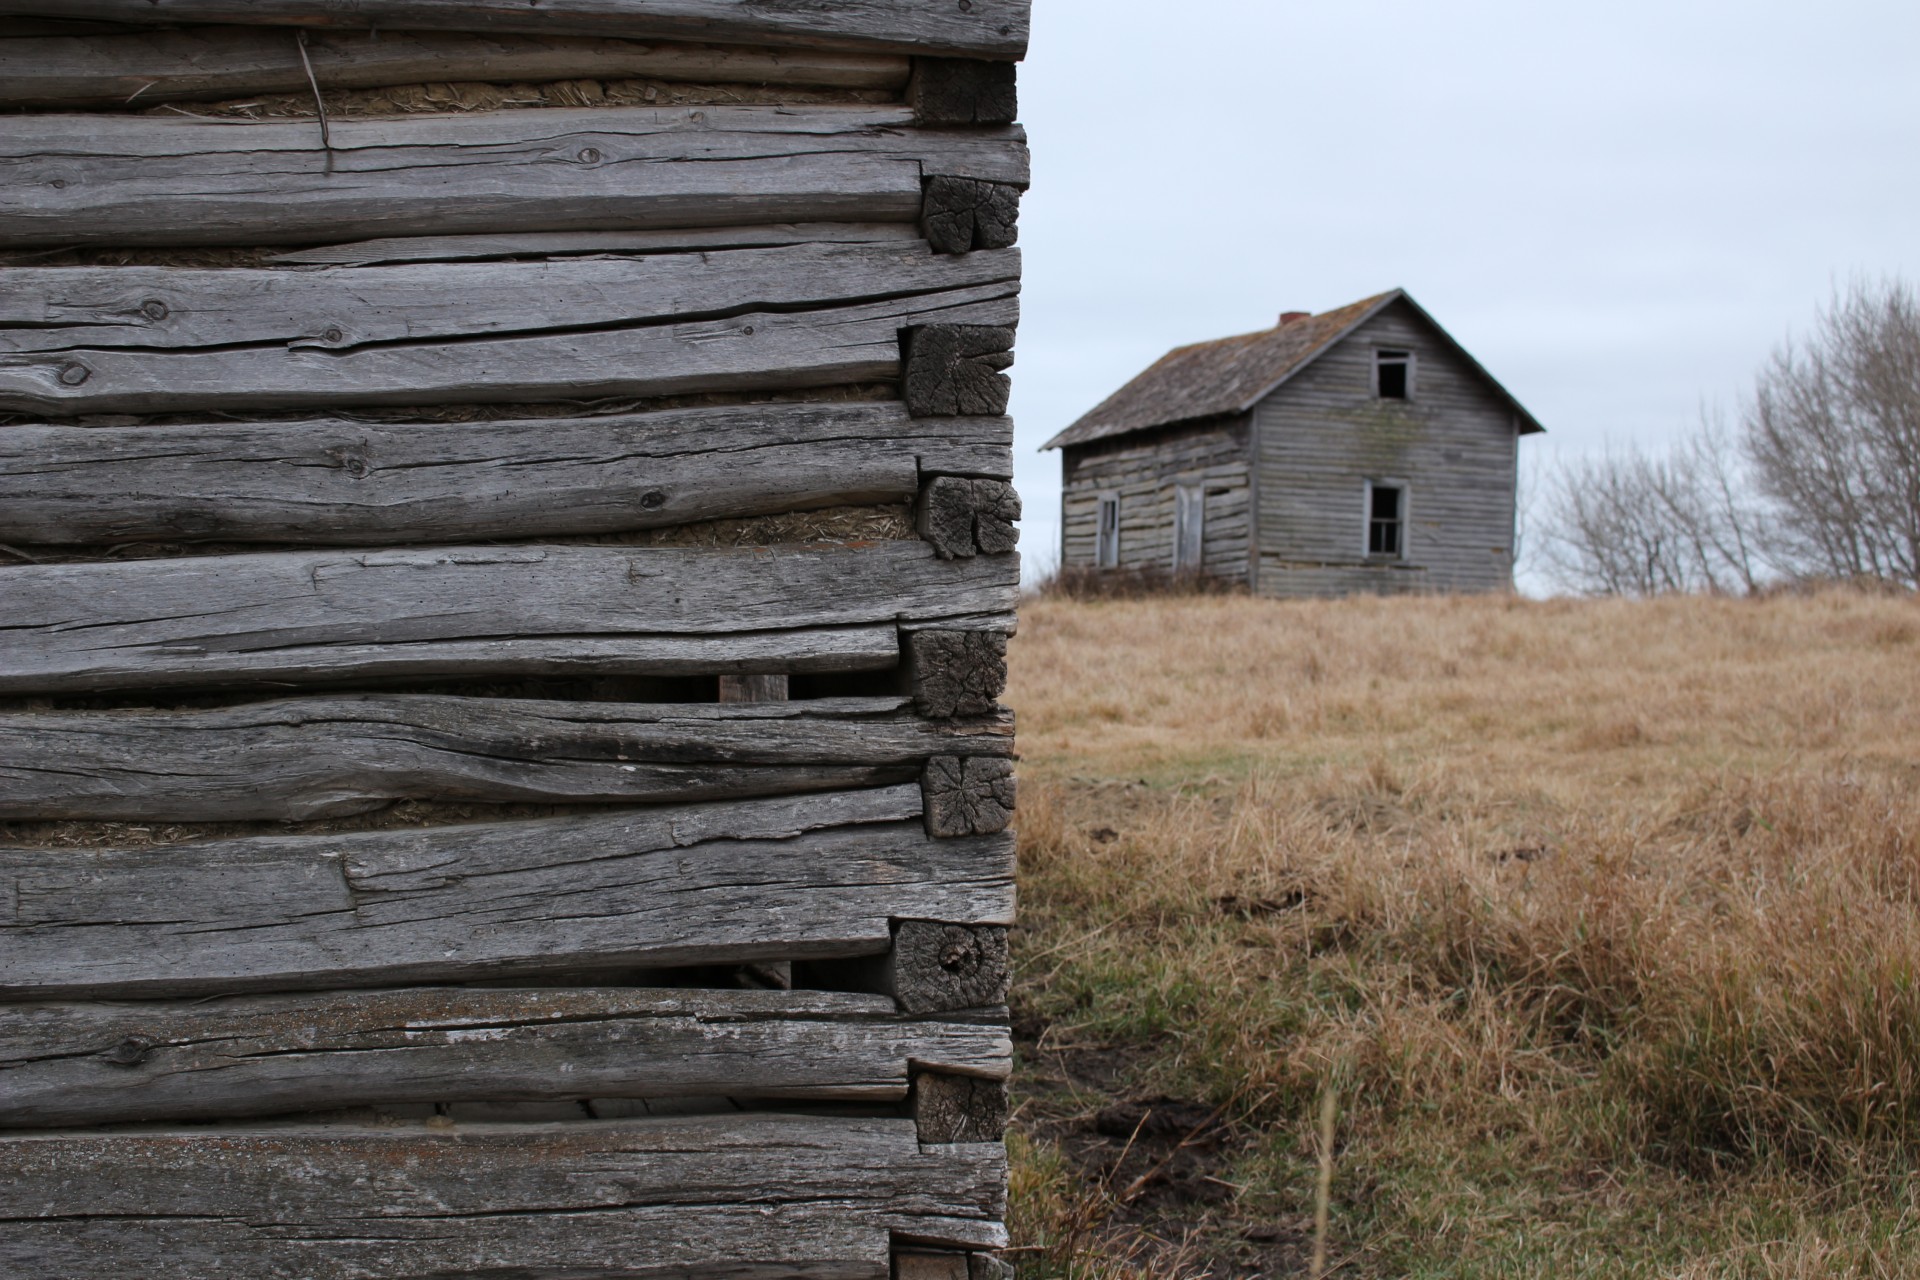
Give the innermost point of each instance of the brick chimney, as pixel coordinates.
(1288, 317)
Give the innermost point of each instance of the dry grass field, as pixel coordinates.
(1591, 927)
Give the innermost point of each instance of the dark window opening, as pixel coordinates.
(1386, 520)
(1393, 375)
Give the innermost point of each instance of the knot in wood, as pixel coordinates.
(154, 309)
(332, 335)
(130, 1052)
(589, 155)
(354, 461)
(72, 375)
(936, 966)
(961, 953)
(653, 500)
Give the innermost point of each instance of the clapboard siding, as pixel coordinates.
(795, 877)
(104, 1063)
(145, 180)
(737, 1196)
(1323, 434)
(323, 757)
(1145, 470)
(307, 616)
(337, 481)
(980, 28)
(184, 64)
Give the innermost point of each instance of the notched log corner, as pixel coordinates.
(963, 517)
(957, 673)
(950, 1108)
(955, 370)
(963, 91)
(935, 967)
(968, 795)
(959, 215)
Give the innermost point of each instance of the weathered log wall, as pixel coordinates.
(504, 592)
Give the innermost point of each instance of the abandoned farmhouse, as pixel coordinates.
(1358, 450)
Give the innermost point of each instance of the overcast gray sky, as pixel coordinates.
(1619, 208)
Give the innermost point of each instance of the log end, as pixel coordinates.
(957, 673)
(963, 91)
(959, 215)
(948, 1108)
(937, 967)
(968, 795)
(955, 370)
(963, 517)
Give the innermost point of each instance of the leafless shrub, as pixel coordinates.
(1637, 523)
(1833, 436)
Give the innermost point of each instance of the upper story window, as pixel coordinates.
(1386, 519)
(1393, 374)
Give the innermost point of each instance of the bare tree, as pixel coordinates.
(1833, 437)
(1634, 522)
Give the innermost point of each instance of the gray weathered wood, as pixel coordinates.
(1144, 475)
(85, 1064)
(935, 966)
(955, 369)
(125, 180)
(963, 517)
(189, 63)
(333, 756)
(803, 649)
(980, 28)
(737, 689)
(11, 28)
(145, 339)
(957, 673)
(963, 91)
(1455, 444)
(535, 244)
(345, 482)
(961, 215)
(929, 1264)
(748, 1197)
(959, 1108)
(751, 351)
(788, 878)
(99, 309)
(448, 611)
(966, 795)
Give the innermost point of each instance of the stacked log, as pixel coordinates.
(506, 559)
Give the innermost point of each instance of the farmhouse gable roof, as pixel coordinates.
(1231, 375)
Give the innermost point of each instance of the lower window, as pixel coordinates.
(1106, 550)
(1386, 519)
